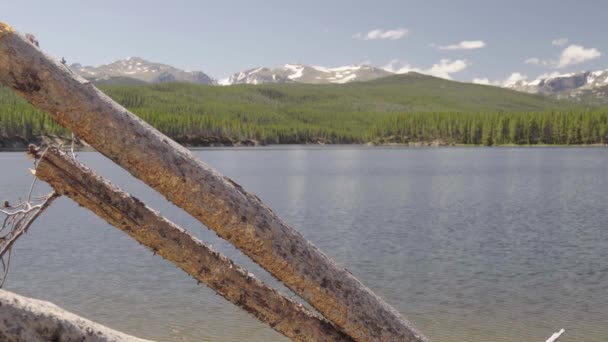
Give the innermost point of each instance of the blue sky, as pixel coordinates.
(462, 40)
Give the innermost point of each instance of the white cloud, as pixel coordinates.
(514, 78)
(380, 34)
(535, 61)
(576, 54)
(485, 81)
(573, 54)
(541, 62)
(444, 68)
(395, 66)
(560, 41)
(463, 45)
(532, 60)
(481, 81)
(549, 75)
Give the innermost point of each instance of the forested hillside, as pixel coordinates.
(398, 109)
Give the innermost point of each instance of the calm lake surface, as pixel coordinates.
(471, 244)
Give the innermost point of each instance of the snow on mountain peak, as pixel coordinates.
(294, 72)
(572, 85)
(140, 69)
(297, 71)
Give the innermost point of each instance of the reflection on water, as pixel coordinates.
(471, 244)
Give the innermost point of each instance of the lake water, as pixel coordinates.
(471, 244)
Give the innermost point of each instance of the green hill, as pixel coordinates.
(118, 81)
(402, 108)
(419, 92)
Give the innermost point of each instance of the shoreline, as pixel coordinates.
(19, 144)
(329, 146)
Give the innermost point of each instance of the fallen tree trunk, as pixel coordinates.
(215, 200)
(556, 335)
(26, 319)
(70, 178)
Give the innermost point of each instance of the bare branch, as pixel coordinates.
(215, 200)
(19, 221)
(18, 218)
(556, 335)
(125, 212)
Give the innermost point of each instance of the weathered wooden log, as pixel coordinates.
(70, 178)
(556, 335)
(215, 200)
(31, 320)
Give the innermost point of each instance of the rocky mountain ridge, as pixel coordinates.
(589, 86)
(299, 73)
(136, 68)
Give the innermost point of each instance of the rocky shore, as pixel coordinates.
(18, 143)
(402, 141)
(198, 141)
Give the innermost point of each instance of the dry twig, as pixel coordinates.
(19, 217)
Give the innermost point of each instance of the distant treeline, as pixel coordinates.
(561, 128)
(302, 114)
(18, 118)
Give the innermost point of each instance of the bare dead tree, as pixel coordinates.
(70, 178)
(19, 217)
(32, 39)
(215, 200)
(31, 320)
(17, 220)
(556, 336)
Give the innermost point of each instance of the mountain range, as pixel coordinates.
(134, 69)
(405, 108)
(587, 86)
(291, 73)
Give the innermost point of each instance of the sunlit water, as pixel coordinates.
(471, 244)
